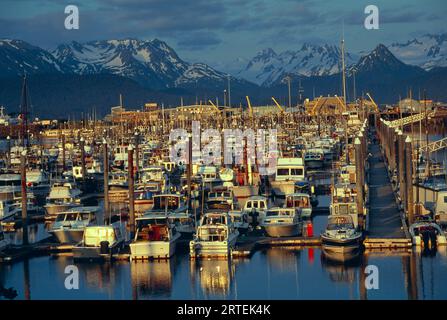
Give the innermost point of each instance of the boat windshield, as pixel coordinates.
(214, 220)
(336, 223)
(279, 213)
(297, 202)
(67, 217)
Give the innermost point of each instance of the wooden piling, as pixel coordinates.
(131, 190)
(359, 169)
(106, 181)
(189, 170)
(24, 198)
(401, 172)
(409, 180)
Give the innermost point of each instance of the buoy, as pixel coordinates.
(310, 230)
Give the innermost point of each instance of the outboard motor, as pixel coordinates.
(104, 247)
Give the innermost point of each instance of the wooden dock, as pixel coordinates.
(386, 226)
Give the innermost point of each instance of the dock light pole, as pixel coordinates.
(24, 198)
(359, 174)
(106, 180)
(8, 163)
(131, 191)
(401, 159)
(409, 180)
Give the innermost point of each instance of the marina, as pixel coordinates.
(114, 200)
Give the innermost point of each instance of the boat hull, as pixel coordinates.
(204, 249)
(153, 249)
(68, 235)
(282, 230)
(332, 246)
(94, 253)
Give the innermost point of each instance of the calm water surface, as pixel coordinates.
(275, 273)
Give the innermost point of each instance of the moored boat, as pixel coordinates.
(282, 222)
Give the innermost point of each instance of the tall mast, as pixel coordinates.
(343, 68)
(24, 113)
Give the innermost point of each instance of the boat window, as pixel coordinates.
(249, 204)
(445, 199)
(9, 183)
(85, 216)
(283, 172)
(153, 232)
(343, 209)
(271, 213)
(262, 205)
(296, 172)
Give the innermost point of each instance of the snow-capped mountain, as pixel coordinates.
(152, 63)
(381, 62)
(310, 60)
(428, 51)
(18, 57)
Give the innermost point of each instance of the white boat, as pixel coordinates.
(288, 171)
(256, 208)
(215, 237)
(69, 226)
(99, 242)
(118, 181)
(155, 238)
(301, 202)
(10, 186)
(341, 236)
(63, 196)
(282, 222)
(38, 182)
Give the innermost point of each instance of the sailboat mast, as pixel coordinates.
(343, 68)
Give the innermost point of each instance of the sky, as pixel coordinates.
(219, 32)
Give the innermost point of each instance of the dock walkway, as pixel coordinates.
(385, 223)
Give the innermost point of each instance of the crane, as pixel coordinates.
(249, 106)
(278, 105)
(376, 108)
(215, 107)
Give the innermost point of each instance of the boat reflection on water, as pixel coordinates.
(151, 279)
(283, 259)
(341, 270)
(215, 276)
(341, 257)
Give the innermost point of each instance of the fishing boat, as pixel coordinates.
(217, 197)
(69, 226)
(155, 238)
(256, 208)
(99, 243)
(282, 222)
(301, 202)
(63, 196)
(288, 171)
(215, 237)
(341, 236)
(168, 203)
(314, 158)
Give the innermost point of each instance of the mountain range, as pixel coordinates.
(147, 70)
